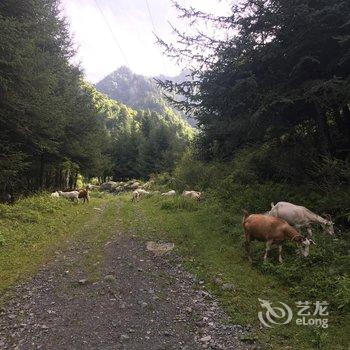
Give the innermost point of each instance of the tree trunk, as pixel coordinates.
(346, 122)
(41, 174)
(67, 178)
(325, 143)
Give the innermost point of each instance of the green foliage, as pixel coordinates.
(191, 173)
(242, 184)
(271, 87)
(45, 119)
(179, 203)
(327, 273)
(151, 144)
(55, 126)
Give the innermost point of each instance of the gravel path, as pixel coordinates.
(140, 301)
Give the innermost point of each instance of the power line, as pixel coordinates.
(150, 16)
(155, 33)
(112, 33)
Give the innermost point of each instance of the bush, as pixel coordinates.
(194, 174)
(31, 209)
(164, 182)
(179, 203)
(322, 276)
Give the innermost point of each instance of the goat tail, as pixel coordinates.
(245, 215)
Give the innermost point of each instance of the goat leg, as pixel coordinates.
(309, 232)
(268, 247)
(280, 253)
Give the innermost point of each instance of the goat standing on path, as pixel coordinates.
(272, 230)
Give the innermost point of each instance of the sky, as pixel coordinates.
(110, 33)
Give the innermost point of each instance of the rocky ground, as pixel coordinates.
(139, 301)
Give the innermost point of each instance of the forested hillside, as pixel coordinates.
(53, 125)
(138, 91)
(48, 128)
(141, 142)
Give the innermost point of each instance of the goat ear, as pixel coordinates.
(312, 241)
(272, 204)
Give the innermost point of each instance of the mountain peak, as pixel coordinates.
(137, 91)
(123, 70)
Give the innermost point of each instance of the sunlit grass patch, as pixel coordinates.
(31, 230)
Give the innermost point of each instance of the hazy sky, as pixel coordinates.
(92, 23)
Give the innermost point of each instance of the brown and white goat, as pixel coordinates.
(273, 231)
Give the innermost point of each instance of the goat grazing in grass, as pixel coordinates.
(72, 195)
(196, 195)
(136, 195)
(273, 231)
(299, 217)
(169, 193)
(55, 195)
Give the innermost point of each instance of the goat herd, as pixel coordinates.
(137, 194)
(274, 227)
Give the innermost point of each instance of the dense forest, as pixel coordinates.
(272, 99)
(142, 142)
(53, 125)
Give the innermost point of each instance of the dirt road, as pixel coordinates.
(138, 301)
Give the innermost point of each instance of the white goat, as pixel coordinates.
(169, 193)
(299, 217)
(73, 195)
(136, 195)
(193, 195)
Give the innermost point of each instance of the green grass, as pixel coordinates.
(211, 242)
(210, 239)
(35, 227)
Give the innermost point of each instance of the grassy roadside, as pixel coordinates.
(35, 227)
(201, 236)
